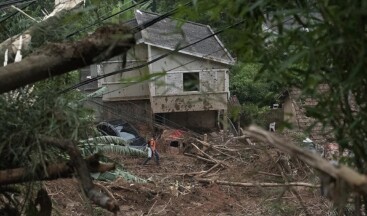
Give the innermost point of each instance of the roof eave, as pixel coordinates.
(223, 61)
(221, 44)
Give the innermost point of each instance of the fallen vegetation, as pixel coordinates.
(240, 176)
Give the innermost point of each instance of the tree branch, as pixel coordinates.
(92, 191)
(354, 179)
(57, 59)
(264, 184)
(39, 30)
(54, 171)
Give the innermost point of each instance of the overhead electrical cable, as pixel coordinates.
(165, 71)
(151, 61)
(106, 18)
(16, 12)
(146, 110)
(139, 27)
(13, 2)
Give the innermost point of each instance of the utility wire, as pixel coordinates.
(171, 69)
(117, 113)
(12, 2)
(160, 57)
(106, 18)
(16, 12)
(151, 61)
(138, 27)
(151, 22)
(128, 115)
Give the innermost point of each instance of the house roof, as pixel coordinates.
(169, 34)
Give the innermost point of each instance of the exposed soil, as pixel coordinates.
(170, 192)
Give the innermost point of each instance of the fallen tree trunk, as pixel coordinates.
(53, 171)
(263, 184)
(57, 59)
(39, 33)
(81, 167)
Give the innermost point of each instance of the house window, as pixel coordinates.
(191, 81)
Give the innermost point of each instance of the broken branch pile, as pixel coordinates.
(219, 157)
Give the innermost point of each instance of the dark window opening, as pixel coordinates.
(191, 82)
(174, 144)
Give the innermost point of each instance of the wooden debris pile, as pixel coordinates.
(221, 156)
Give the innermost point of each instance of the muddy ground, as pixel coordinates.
(173, 187)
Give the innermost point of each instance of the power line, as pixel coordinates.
(16, 12)
(151, 22)
(138, 107)
(160, 57)
(138, 27)
(12, 2)
(171, 69)
(142, 119)
(149, 62)
(106, 18)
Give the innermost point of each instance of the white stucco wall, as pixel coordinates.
(213, 75)
(167, 92)
(131, 86)
(127, 85)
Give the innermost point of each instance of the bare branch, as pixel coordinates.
(62, 8)
(354, 179)
(92, 191)
(54, 171)
(57, 59)
(263, 184)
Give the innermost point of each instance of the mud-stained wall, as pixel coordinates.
(167, 92)
(86, 74)
(128, 85)
(193, 102)
(138, 111)
(213, 75)
(172, 83)
(192, 120)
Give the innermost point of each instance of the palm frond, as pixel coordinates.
(106, 140)
(118, 173)
(129, 177)
(121, 150)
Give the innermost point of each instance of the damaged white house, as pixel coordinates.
(189, 88)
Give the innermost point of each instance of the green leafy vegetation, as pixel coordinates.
(256, 94)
